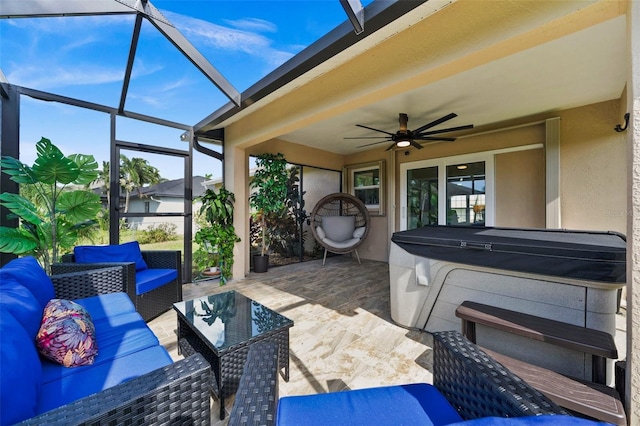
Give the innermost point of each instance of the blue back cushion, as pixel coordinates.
(28, 272)
(107, 305)
(21, 304)
(127, 252)
(20, 371)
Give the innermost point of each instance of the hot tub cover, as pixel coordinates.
(585, 255)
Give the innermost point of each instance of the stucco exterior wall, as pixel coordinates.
(520, 189)
(593, 164)
(299, 154)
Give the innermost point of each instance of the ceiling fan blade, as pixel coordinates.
(374, 143)
(435, 122)
(451, 129)
(416, 144)
(427, 138)
(375, 130)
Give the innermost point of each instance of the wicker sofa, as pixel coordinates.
(132, 379)
(149, 300)
(469, 388)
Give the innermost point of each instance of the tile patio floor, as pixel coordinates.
(343, 337)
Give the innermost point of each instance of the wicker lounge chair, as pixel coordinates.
(340, 223)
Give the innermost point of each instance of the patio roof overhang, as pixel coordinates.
(491, 63)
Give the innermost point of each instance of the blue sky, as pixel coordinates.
(85, 58)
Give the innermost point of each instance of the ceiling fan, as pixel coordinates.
(405, 137)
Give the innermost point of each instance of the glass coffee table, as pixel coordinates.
(222, 327)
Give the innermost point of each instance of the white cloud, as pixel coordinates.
(153, 101)
(56, 76)
(245, 38)
(176, 84)
(253, 24)
(63, 25)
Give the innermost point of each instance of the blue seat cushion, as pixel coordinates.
(28, 272)
(116, 337)
(127, 252)
(150, 279)
(21, 378)
(107, 305)
(87, 381)
(412, 404)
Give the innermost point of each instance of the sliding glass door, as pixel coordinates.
(447, 191)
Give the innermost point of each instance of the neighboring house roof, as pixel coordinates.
(172, 188)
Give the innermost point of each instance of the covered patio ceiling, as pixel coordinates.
(580, 67)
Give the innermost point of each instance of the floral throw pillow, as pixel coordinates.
(67, 335)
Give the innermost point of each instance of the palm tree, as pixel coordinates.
(135, 173)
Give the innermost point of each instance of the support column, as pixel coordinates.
(632, 402)
(236, 180)
(9, 145)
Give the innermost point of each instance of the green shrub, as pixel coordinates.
(157, 233)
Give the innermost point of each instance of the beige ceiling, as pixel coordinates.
(582, 68)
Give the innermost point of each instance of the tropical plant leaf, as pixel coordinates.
(21, 207)
(79, 206)
(19, 172)
(65, 236)
(17, 241)
(52, 166)
(87, 166)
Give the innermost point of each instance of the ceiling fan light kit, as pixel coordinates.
(404, 137)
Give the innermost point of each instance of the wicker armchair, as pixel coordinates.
(175, 394)
(149, 304)
(474, 383)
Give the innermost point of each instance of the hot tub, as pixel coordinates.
(570, 276)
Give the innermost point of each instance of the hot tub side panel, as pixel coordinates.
(427, 295)
(407, 297)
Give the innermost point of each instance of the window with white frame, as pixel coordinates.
(366, 182)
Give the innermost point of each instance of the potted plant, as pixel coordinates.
(269, 195)
(52, 215)
(217, 238)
